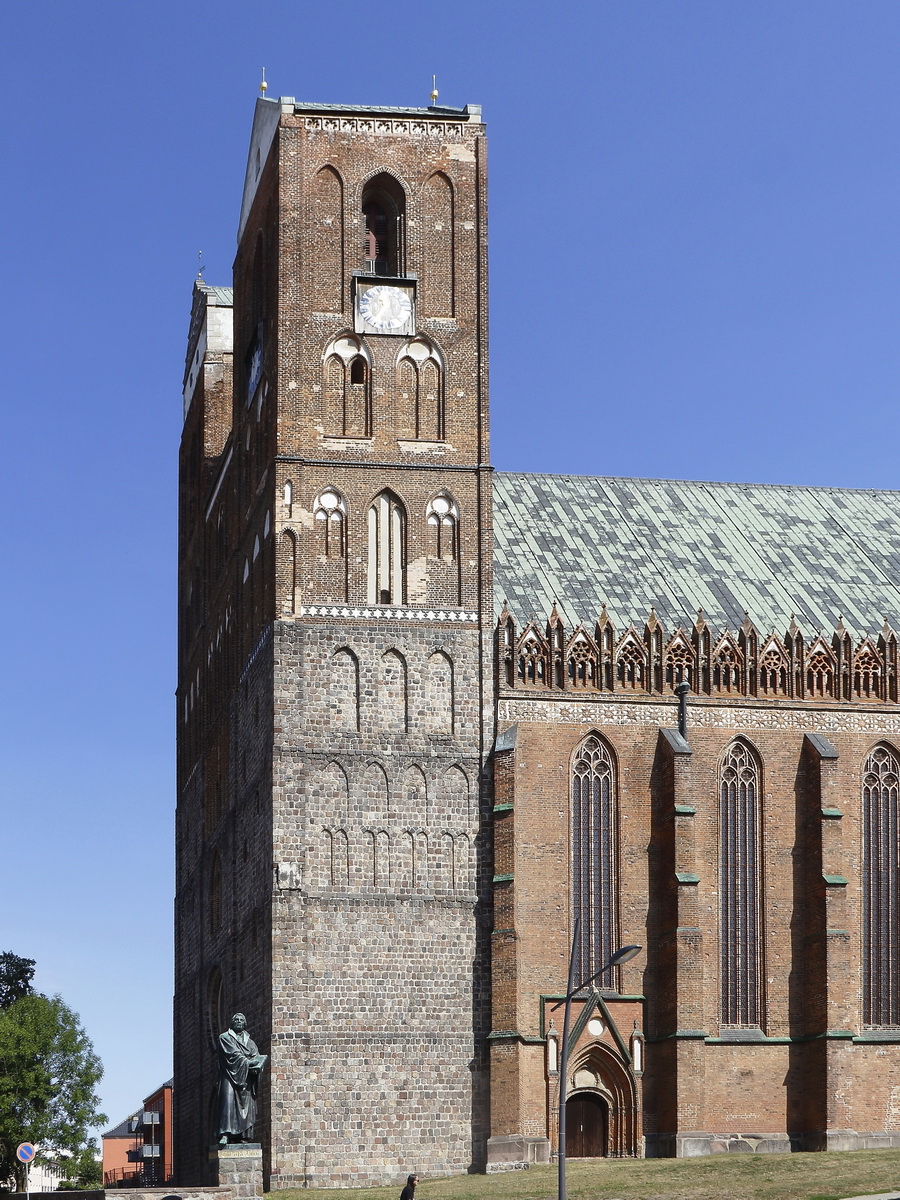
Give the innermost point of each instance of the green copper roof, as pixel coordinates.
(223, 296)
(771, 551)
(432, 111)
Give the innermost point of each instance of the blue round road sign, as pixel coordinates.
(25, 1152)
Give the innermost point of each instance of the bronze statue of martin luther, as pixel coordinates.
(239, 1066)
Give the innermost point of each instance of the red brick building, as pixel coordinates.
(427, 718)
(138, 1151)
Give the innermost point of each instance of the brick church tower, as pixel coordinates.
(335, 631)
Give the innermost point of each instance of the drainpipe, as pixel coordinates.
(681, 691)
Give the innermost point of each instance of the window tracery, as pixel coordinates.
(820, 680)
(740, 913)
(868, 673)
(727, 667)
(442, 516)
(631, 663)
(881, 888)
(594, 855)
(679, 661)
(773, 669)
(347, 383)
(582, 662)
(330, 513)
(533, 657)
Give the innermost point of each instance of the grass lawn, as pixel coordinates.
(829, 1176)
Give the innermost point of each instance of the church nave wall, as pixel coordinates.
(740, 858)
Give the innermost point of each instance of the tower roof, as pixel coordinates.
(768, 550)
(471, 112)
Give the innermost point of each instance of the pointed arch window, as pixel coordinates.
(740, 916)
(421, 383)
(330, 512)
(384, 218)
(881, 888)
(594, 855)
(442, 515)
(348, 392)
(387, 550)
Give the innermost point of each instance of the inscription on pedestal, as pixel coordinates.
(238, 1167)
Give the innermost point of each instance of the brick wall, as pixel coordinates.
(812, 1073)
(333, 871)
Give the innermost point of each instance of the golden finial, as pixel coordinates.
(263, 87)
(434, 91)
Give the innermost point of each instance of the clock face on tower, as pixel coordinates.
(384, 308)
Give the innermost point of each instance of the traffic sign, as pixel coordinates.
(25, 1152)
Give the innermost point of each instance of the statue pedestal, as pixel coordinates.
(238, 1166)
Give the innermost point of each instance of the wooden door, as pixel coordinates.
(586, 1126)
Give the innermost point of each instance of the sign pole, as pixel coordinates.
(25, 1152)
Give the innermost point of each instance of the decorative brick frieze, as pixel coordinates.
(386, 127)
(387, 614)
(703, 714)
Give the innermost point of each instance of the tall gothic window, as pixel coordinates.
(881, 889)
(330, 512)
(740, 923)
(594, 855)
(387, 550)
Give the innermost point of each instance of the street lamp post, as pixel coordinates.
(623, 955)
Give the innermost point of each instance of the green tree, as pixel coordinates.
(84, 1172)
(48, 1074)
(16, 975)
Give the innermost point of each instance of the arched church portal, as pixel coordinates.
(602, 1106)
(587, 1126)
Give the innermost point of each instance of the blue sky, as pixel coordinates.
(695, 272)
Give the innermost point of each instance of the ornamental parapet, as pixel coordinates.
(744, 662)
